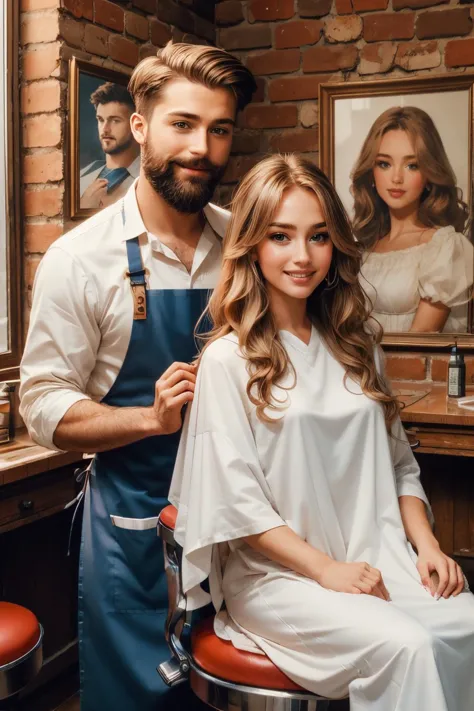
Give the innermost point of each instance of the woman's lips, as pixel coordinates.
(397, 193)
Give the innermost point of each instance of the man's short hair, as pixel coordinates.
(108, 92)
(213, 67)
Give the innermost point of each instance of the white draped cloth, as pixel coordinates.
(326, 468)
(440, 271)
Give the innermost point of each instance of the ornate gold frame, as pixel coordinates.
(76, 66)
(328, 95)
(9, 361)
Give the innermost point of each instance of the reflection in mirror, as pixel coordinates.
(4, 340)
(410, 217)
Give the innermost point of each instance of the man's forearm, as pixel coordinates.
(91, 427)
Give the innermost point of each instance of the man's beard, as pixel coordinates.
(117, 148)
(187, 196)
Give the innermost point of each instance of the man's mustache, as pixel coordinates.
(202, 164)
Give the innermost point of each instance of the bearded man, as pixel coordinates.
(108, 367)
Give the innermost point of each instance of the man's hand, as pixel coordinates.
(173, 390)
(94, 196)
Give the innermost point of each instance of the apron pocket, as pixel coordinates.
(138, 572)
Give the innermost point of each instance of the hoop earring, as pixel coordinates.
(331, 284)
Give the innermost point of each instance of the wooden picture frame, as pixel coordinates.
(85, 77)
(339, 99)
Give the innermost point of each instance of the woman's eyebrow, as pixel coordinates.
(387, 155)
(287, 226)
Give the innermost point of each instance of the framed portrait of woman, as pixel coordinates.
(399, 153)
(104, 158)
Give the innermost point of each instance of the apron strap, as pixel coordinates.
(136, 274)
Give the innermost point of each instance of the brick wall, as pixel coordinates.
(111, 34)
(295, 45)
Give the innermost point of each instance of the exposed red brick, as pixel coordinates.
(369, 5)
(296, 88)
(43, 202)
(137, 25)
(148, 6)
(246, 142)
(270, 116)
(42, 27)
(147, 50)
(43, 167)
(443, 23)
(343, 29)
(31, 5)
(268, 10)
(298, 33)
(41, 62)
(238, 166)
(389, 26)
(38, 237)
(160, 33)
(42, 132)
(72, 31)
(415, 4)
(330, 59)
(32, 264)
(245, 37)
(418, 55)
(406, 367)
(96, 40)
(377, 58)
(276, 61)
(205, 29)
(123, 50)
(41, 96)
(109, 15)
(459, 53)
(314, 8)
(303, 140)
(259, 94)
(344, 7)
(80, 8)
(229, 12)
(178, 16)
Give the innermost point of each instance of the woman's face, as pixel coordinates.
(398, 179)
(296, 253)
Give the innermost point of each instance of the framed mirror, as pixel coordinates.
(11, 335)
(400, 154)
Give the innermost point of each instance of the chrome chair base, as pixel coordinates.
(226, 696)
(16, 675)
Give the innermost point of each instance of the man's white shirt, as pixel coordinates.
(82, 314)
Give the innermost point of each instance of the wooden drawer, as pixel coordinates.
(36, 497)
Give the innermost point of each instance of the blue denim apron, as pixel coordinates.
(122, 589)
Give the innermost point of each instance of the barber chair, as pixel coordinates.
(21, 651)
(222, 676)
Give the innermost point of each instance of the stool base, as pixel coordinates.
(224, 696)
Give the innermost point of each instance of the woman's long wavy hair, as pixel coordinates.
(441, 203)
(240, 300)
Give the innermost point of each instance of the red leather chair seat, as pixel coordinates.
(223, 660)
(19, 632)
(168, 516)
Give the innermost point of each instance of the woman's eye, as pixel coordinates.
(278, 237)
(412, 166)
(320, 237)
(382, 164)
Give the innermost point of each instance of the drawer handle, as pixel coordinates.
(26, 506)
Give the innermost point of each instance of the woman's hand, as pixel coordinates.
(355, 578)
(440, 575)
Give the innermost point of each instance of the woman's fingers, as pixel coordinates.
(460, 577)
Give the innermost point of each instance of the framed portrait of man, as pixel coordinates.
(104, 158)
(400, 155)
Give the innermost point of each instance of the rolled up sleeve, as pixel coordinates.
(61, 347)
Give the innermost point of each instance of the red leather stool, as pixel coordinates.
(222, 676)
(21, 650)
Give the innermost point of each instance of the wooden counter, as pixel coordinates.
(440, 425)
(36, 569)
